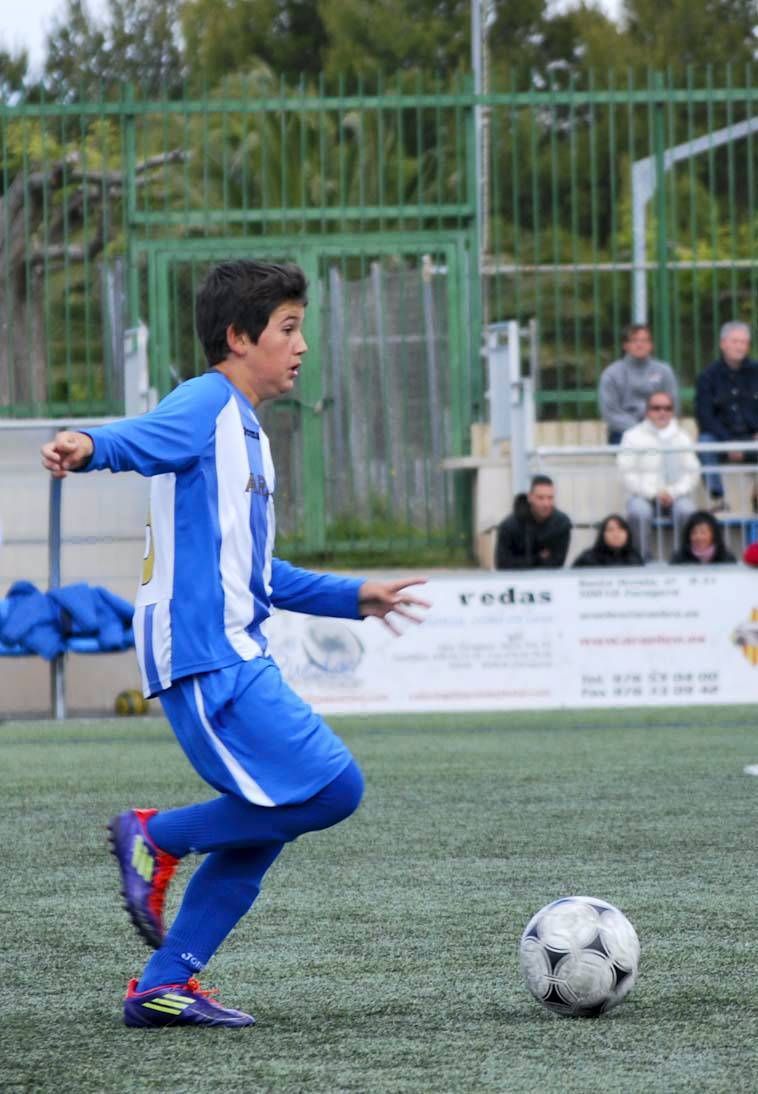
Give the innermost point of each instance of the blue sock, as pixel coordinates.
(219, 893)
(241, 841)
(230, 821)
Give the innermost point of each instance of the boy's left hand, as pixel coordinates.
(380, 598)
(68, 451)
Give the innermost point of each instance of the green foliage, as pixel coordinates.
(75, 50)
(31, 146)
(381, 538)
(294, 159)
(164, 45)
(679, 32)
(559, 170)
(136, 43)
(550, 46)
(14, 65)
(384, 36)
(286, 35)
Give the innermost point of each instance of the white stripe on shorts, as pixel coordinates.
(247, 785)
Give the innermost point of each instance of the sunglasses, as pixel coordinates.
(660, 406)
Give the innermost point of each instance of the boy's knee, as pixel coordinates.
(351, 786)
(333, 804)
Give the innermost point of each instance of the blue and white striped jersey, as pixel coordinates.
(209, 575)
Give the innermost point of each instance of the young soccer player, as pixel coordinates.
(209, 581)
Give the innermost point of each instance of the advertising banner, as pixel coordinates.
(506, 641)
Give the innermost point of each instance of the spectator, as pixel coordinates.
(726, 406)
(625, 385)
(536, 534)
(613, 546)
(659, 470)
(702, 541)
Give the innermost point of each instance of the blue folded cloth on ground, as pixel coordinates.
(80, 617)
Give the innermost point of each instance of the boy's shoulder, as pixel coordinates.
(208, 389)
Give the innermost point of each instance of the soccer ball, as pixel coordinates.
(579, 956)
(130, 702)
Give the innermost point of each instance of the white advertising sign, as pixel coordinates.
(504, 641)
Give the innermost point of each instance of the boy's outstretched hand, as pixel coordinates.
(66, 452)
(380, 598)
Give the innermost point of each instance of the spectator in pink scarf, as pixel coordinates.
(702, 541)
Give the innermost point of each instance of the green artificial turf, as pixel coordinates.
(382, 955)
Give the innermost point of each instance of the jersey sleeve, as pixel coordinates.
(168, 438)
(299, 590)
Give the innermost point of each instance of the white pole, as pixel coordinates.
(519, 416)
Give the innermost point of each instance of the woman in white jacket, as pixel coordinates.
(659, 469)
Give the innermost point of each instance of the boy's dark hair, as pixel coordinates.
(243, 294)
(540, 480)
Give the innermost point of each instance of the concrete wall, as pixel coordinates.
(103, 518)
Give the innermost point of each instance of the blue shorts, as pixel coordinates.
(247, 733)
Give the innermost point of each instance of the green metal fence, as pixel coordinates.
(619, 204)
(384, 392)
(600, 201)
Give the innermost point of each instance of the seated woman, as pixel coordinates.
(613, 546)
(702, 541)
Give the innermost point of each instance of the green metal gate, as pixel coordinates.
(384, 394)
(592, 188)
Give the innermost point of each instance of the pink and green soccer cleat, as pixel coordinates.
(179, 1005)
(145, 872)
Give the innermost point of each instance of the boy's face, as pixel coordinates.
(272, 364)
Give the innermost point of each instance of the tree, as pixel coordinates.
(663, 33)
(142, 45)
(370, 36)
(14, 67)
(287, 35)
(75, 54)
(552, 47)
(137, 43)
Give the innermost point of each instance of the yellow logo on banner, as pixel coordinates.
(746, 637)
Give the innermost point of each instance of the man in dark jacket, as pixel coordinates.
(726, 404)
(536, 534)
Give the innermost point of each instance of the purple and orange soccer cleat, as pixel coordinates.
(145, 872)
(179, 1005)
